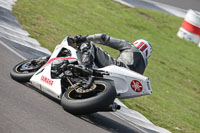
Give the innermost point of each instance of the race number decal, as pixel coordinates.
(136, 86)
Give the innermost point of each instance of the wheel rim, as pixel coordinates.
(29, 66)
(100, 88)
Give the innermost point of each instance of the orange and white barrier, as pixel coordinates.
(190, 29)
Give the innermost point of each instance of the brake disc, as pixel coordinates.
(83, 90)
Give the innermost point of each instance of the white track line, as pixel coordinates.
(13, 51)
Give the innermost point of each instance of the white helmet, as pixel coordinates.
(144, 47)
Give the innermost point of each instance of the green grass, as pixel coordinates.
(173, 67)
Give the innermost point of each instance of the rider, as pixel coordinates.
(132, 56)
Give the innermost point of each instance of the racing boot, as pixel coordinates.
(87, 58)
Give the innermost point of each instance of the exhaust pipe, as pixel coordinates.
(112, 107)
(115, 107)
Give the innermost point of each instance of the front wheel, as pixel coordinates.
(85, 103)
(23, 71)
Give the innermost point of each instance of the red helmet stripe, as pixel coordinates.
(140, 45)
(146, 52)
(144, 47)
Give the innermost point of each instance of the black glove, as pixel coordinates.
(72, 42)
(80, 38)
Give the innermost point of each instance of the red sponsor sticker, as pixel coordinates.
(47, 80)
(136, 86)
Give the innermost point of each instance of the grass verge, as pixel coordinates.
(173, 67)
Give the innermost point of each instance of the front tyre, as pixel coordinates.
(23, 71)
(85, 103)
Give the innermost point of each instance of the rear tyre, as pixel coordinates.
(23, 71)
(79, 104)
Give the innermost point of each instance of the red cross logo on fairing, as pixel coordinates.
(136, 86)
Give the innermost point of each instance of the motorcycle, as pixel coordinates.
(81, 90)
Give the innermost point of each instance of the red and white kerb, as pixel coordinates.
(191, 22)
(191, 27)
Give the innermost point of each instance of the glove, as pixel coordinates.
(72, 42)
(70, 39)
(80, 38)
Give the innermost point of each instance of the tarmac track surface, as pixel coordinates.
(24, 109)
(184, 4)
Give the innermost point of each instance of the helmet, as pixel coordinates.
(144, 47)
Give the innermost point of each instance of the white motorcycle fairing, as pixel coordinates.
(128, 84)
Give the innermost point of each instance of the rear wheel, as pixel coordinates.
(85, 103)
(23, 71)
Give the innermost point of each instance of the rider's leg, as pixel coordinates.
(87, 58)
(103, 59)
(92, 53)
